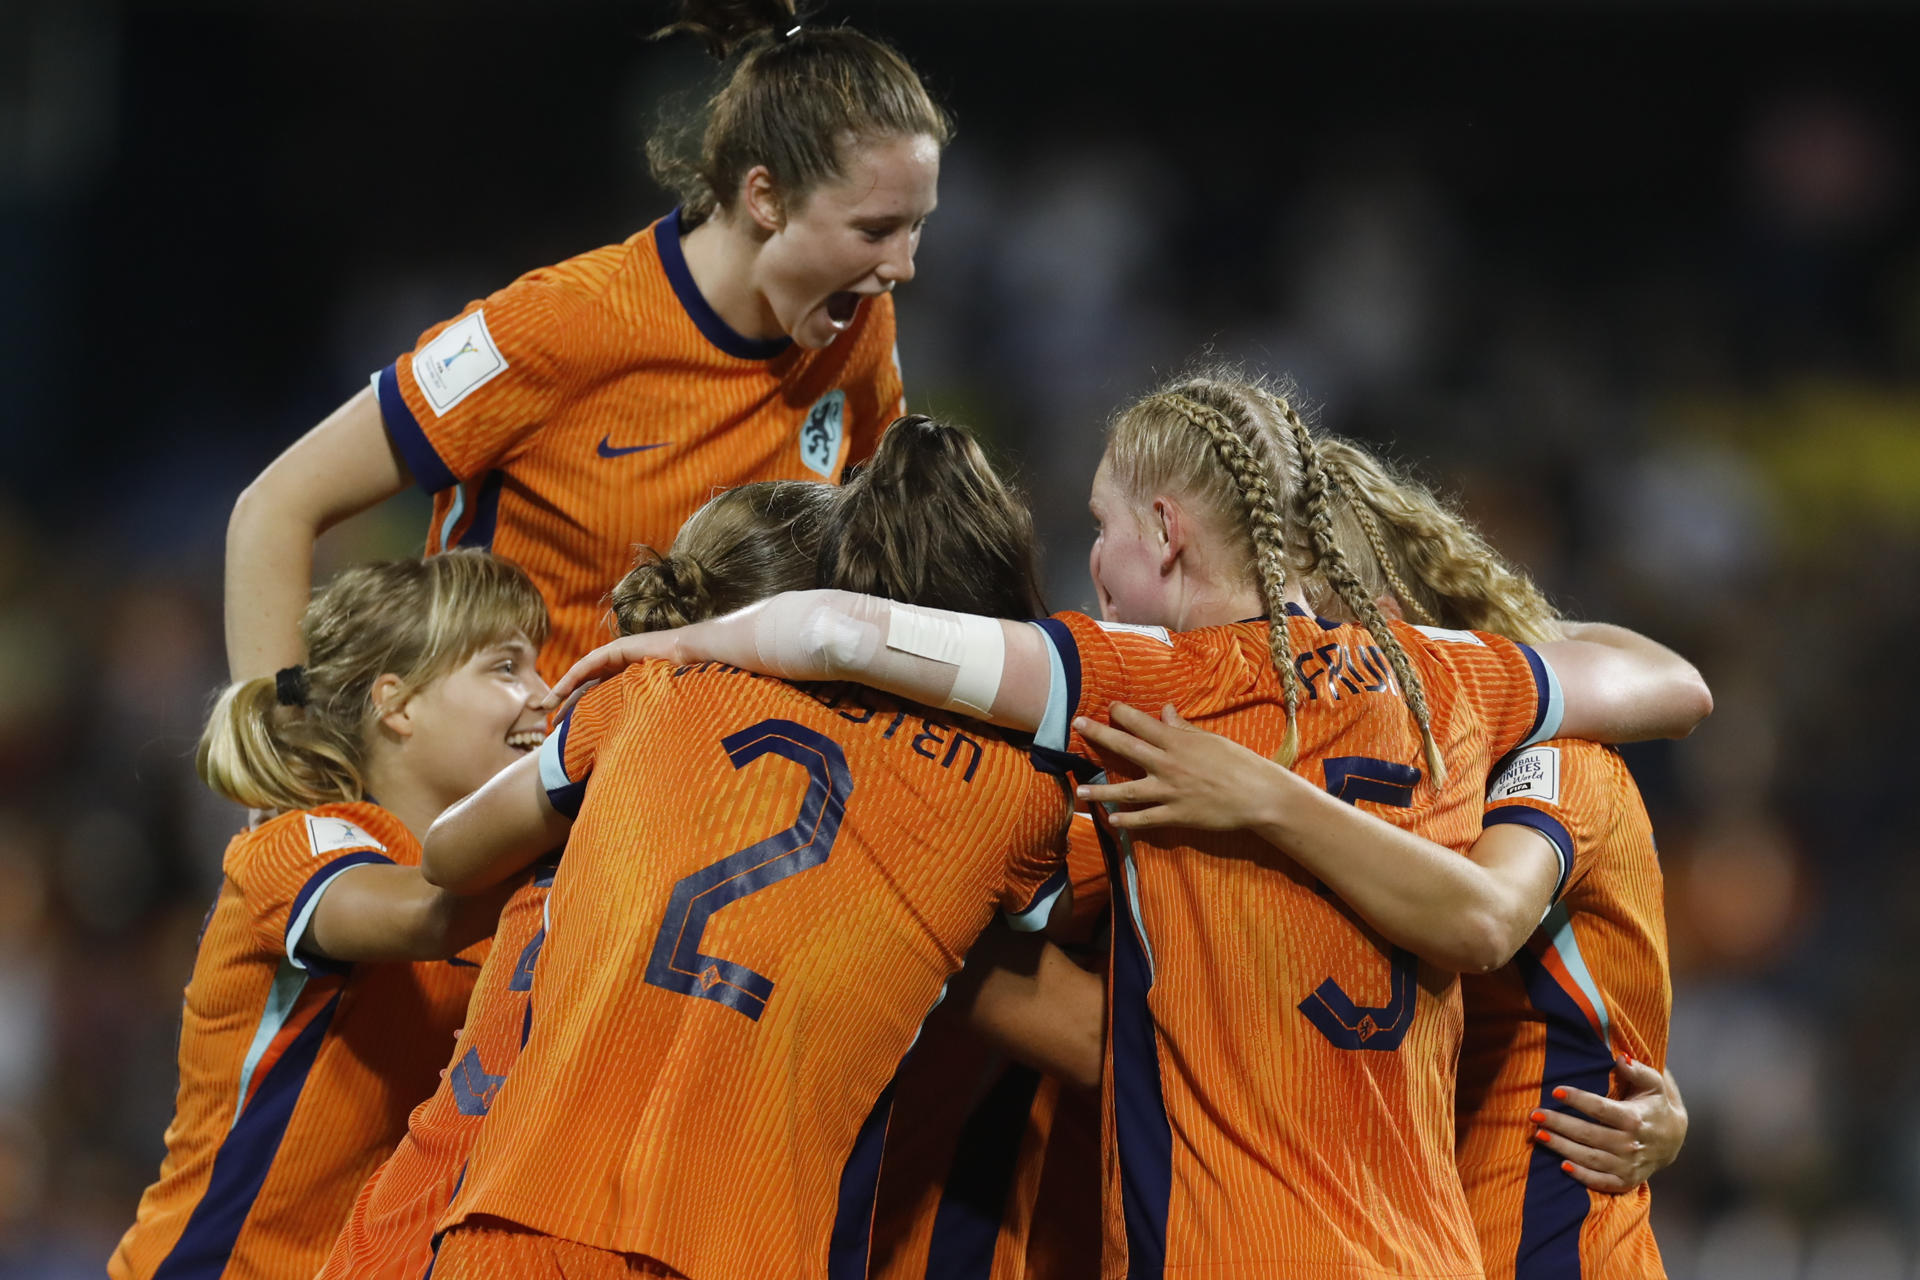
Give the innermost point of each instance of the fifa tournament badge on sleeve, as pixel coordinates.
(457, 363)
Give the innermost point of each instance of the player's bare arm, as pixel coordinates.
(1467, 914)
(502, 828)
(992, 669)
(376, 913)
(1630, 688)
(339, 469)
(1027, 997)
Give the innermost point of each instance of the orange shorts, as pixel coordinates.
(491, 1249)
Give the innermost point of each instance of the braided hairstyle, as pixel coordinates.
(748, 543)
(1202, 438)
(1330, 564)
(1439, 567)
(1240, 450)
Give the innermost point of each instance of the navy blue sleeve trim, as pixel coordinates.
(1546, 825)
(1068, 651)
(563, 793)
(423, 460)
(1542, 690)
(315, 882)
(1063, 764)
(666, 238)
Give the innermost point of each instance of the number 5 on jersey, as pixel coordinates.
(1345, 1024)
(677, 963)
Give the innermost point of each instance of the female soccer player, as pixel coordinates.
(299, 1056)
(593, 405)
(1282, 1081)
(764, 892)
(745, 545)
(1566, 867)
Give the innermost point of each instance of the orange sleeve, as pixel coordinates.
(567, 756)
(1509, 686)
(476, 389)
(1099, 663)
(1087, 873)
(1560, 789)
(281, 873)
(1035, 879)
(875, 396)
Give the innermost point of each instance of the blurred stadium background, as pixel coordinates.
(1640, 281)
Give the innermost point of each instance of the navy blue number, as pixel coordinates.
(1346, 1024)
(677, 963)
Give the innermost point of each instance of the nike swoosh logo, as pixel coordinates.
(607, 449)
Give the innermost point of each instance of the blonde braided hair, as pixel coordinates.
(1253, 486)
(1331, 563)
(1410, 604)
(1440, 568)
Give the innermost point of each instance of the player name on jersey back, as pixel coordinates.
(935, 740)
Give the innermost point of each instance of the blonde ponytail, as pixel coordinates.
(416, 619)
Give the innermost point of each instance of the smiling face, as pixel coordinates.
(477, 719)
(849, 239)
(1128, 560)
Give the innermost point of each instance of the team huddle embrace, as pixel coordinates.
(798, 897)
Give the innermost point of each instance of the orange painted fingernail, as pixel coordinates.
(1628, 1057)
(1560, 1094)
(1542, 1136)
(1538, 1117)
(1566, 1166)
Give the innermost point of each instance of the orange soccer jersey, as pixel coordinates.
(597, 404)
(989, 1171)
(764, 893)
(1590, 983)
(296, 1075)
(1279, 1080)
(389, 1233)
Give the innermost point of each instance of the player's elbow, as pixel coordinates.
(437, 863)
(1483, 940)
(265, 503)
(1693, 701)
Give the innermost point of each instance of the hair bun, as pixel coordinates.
(661, 592)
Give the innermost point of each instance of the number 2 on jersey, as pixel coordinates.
(677, 963)
(1345, 1024)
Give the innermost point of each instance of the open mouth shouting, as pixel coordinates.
(842, 307)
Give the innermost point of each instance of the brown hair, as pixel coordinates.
(929, 522)
(791, 97)
(1244, 457)
(746, 544)
(1435, 563)
(417, 619)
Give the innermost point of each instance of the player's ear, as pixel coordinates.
(392, 705)
(760, 198)
(1389, 606)
(1167, 524)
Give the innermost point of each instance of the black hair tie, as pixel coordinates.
(290, 686)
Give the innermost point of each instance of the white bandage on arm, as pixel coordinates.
(974, 646)
(816, 635)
